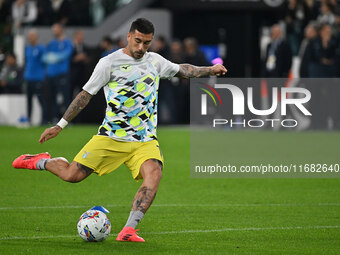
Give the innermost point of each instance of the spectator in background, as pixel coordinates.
(193, 55)
(45, 13)
(6, 39)
(336, 28)
(5, 25)
(24, 12)
(337, 92)
(311, 33)
(61, 11)
(160, 46)
(10, 76)
(79, 62)
(165, 93)
(299, 13)
(278, 59)
(333, 3)
(337, 22)
(278, 62)
(107, 46)
(326, 15)
(55, 11)
(121, 42)
(176, 51)
(177, 56)
(5, 10)
(58, 57)
(2, 58)
(34, 74)
(322, 65)
(97, 11)
(322, 54)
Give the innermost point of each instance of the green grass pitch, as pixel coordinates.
(39, 212)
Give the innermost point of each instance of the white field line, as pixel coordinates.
(168, 205)
(182, 232)
(241, 229)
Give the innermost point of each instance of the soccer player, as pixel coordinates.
(130, 78)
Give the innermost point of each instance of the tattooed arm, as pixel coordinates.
(187, 71)
(77, 105)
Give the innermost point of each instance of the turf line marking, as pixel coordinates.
(54, 207)
(181, 232)
(167, 205)
(241, 229)
(245, 205)
(329, 204)
(35, 237)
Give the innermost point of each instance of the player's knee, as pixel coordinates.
(158, 174)
(73, 176)
(154, 174)
(62, 159)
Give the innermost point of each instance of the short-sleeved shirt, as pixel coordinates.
(130, 87)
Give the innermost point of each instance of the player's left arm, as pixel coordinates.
(187, 71)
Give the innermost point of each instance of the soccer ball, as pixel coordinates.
(94, 226)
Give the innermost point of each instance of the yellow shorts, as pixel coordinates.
(104, 155)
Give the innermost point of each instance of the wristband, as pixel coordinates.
(62, 123)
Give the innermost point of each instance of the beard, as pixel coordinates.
(137, 54)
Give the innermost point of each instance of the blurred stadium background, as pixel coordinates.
(38, 213)
(239, 33)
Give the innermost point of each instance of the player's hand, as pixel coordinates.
(218, 70)
(49, 133)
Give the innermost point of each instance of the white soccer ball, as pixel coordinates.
(94, 226)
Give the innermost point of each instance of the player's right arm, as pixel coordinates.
(77, 105)
(98, 79)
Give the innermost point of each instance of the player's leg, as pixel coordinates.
(95, 156)
(74, 172)
(151, 171)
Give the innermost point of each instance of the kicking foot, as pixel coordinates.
(29, 161)
(129, 234)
